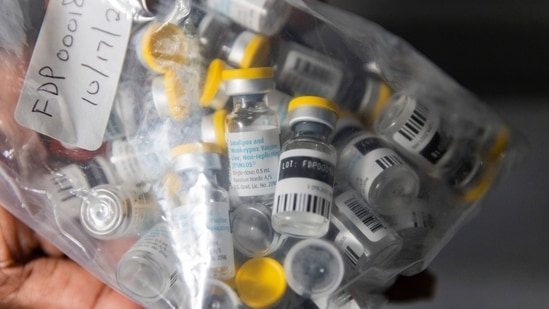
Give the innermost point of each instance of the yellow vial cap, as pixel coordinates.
(219, 128)
(256, 53)
(163, 47)
(195, 148)
(175, 95)
(312, 101)
(385, 93)
(249, 73)
(261, 282)
(212, 82)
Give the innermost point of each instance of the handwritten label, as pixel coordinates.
(73, 74)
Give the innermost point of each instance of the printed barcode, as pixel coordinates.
(415, 123)
(388, 161)
(351, 255)
(322, 74)
(64, 185)
(173, 278)
(302, 202)
(364, 215)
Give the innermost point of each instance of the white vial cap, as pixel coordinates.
(314, 268)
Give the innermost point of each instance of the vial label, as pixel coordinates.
(303, 74)
(365, 160)
(143, 211)
(73, 178)
(245, 12)
(421, 134)
(346, 242)
(305, 182)
(157, 242)
(356, 210)
(206, 233)
(74, 71)
(253, 157)
(415, 219)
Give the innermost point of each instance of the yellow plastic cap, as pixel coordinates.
(385, 93)
(314, 102)
(212, 82)
(163, 47)
(261, 282)
(195, 148)
(249, 73)
(256, 53)
(219, 128)
(175, 95)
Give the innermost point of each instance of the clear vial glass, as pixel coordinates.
(266, 16)
(314, 268)
(200, 209)
(372, 167)
(148, 272)
(303, 197)
(420, 135)
(113, 211)
(253, 136)
(360, 234)
(241, 48)
(253, 233)
(218, 295)
(302, 71)
(123, 120)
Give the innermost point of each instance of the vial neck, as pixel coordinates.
(249, 101)
(313, 130)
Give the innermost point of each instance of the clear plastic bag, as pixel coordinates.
(148, 186)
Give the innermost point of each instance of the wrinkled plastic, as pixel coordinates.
(32, 164)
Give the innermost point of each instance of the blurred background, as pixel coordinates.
(498, 50)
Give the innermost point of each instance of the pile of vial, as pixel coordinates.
(244, 168)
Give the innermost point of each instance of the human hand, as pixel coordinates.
(35, 274)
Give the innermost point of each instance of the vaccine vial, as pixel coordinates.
(213, 93)
(302, 71)
(420, 134)
(112, 211)
(161, 47)
(278, 101)
(303, 196)
(261, 283)
(218, 295)
(364, 239)
(252, 134)
(240, 48)
(264, 16)
(148, 272)
(253, 234)
(213, 128)
(372, 167)
(67, 185)
(169, 96)
(314, 268)
(200, 210)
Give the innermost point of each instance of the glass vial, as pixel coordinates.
(161, 47)
(252, 135)
(218, 295)
(220, 38)
(201, 210)
(302, 71)
(372, 167)
(168, 94)
(303, 197)
(123, 120)
(358, 232)
(314, 268)
(112, 211)
(148, 272)
(263, 16)
(253, 233)
(213, 128)
(420, 135)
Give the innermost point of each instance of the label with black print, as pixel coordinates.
(74, 71)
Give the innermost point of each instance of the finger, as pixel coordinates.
(17, 241)
(48, 248)
(60, 283)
